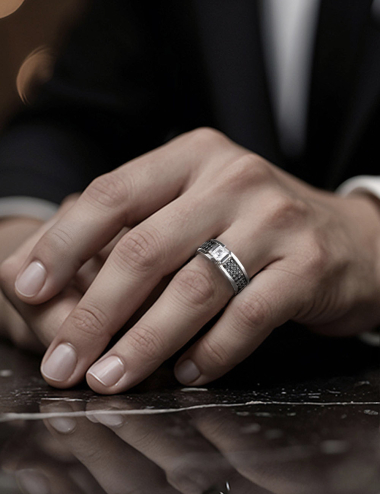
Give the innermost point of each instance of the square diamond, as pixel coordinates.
(220, 253)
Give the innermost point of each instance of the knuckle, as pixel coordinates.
(145, 440)
(69, 201)
(139, 249)
(248, 170)
(108, 190)
(206, 135)
(197, 287)
(55, 240)
(54, 244)
(89, 321)
(147, 342)
(252, 314)
(286, 211)
(215, 353)
(189, 476)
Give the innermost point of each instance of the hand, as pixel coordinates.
(256, 449)
(13, 233)
(314, 258)
(34, 327)
(109, 453)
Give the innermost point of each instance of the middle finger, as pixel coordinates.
(158, 246)
(195, 295)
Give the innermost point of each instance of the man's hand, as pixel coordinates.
(313, 257)
(13, 233)
(37, 328)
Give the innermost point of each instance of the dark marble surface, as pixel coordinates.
(301, 416)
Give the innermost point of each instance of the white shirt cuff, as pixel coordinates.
(361, 183)
(369, 184)
(29, 207)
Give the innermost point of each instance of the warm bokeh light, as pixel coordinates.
(36, 69)
(7, 7)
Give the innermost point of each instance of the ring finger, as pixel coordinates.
(196, 294)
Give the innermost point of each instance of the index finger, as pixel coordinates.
(120, 198)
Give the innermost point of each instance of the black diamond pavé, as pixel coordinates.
(236, 273)
(206, 246)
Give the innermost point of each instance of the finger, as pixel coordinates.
(23, 319)
(146, 254)
(121, 198)
(195, 295)
(16, 330)
(191, 464)
(35, 470)
(89, 271)
(12, 265)
(45, 319)
(271, 299)
(244, 442)
(115, 465)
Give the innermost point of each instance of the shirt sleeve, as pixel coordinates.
(29, 207)
(361, 183)
(371, 185)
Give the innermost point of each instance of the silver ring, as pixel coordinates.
(225, 489)
(227, 262)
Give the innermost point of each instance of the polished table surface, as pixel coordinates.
(301, 416)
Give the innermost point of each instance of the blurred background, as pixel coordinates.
(32, 33)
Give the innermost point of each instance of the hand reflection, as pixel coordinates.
(140, 454)
(204, 451)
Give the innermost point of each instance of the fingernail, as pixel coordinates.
(32, 481)
(187, 372)
(110, 420)
(108, 371)
(30, 282)
(92, 417)
(61, 363)
(63, 425)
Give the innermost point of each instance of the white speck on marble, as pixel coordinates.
(250, 428)
(333, 447)
(6, 373)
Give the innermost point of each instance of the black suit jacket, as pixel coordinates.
(136, 73)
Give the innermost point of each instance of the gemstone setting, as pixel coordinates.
(220, 253)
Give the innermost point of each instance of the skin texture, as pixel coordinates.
(313, 257)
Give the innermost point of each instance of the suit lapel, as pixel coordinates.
(339, 43)
(229, 33)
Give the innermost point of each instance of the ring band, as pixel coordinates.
(227, 262)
